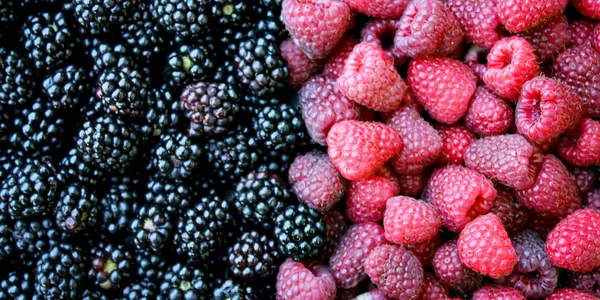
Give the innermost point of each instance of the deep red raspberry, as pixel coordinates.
(337, 59)
(459, 195)
(304, 280)
(412, 184)
(585, 178)
(522, 15)
(378, 31)
(317, 25)
(554, 191)
(432, 288)
(581, 146)
(476, 59)
(588, 8)
(379, 8)
(426, 250)
(455, 139)
(509, 159)
(300, 66)
(588, 282)
(581, 31)
(478, 19)
(347, 261)
(511, 213)
(443, 86)
(452, 272)
(497, 292)
(541, 223)
(592, 199)
(370, 79)
(548, 39)
(484, 246)
(324, 105)
(511, 63)
(570, 294)
(408, 221)
(357, 149)
(596, 38)
(574, 243)
(336, 224)
(396, 271)
(546, 109)
(427, 27)
(422, 144)
(365, 201)
(488, 114)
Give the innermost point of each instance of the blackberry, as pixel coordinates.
(123, 90)
(189, 64)
(233, 290)
(277, 162)
(49, 40)
(226, 73)
(142, 33)
(4, 126)
(76, 166)
(211, 107)
(300, 232)
(186, 19)
(102, 16)
(280, 128)
(176, 157)
(7, 247)
(35, 237)
(171, 195)
(67, 87)
(118, 206)
(230, 13)
(151, 227)
(17, 286)
(150, 266)
(60, 272)
(112, 265)
(143, 290)
(259, 196)
(94, 293)
(108, 141)
(161, 115)
(183, 281)
(269, 12)
(18, 82)
(77, 208)
(93, 109)
(8, 15)
(252, 105)
(253, 255)
(107, 56)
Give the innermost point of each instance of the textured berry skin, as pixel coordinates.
(427, 28)
(459, 195)
(522, 15)
(513, 215)
(336, 224)
(316, 182)
(424, 251)
(370, 79)
(546, 109)
(409, 221)
(365, 200)
(357, 149)
(413, 184)
(422, 145)
(337, 59)
(396, 271)
(455, 139)
(378, 30)
(581, 146)
(324, 105)
(570, 294)
(541, 223)
(347, 262)
(581, 31)
(596, 38)
(592, 200)
(478, 20)
(509, 159)
(497, 292)
(484, 246)
(585, 178)
(452, 272)
(554, 191)
(316, 25)
(379, 8)
(300, 66)
(488, 114)
(549, 39)
(308, 280)
(589, 282)
(511, 63)
(575, 241)
(588, 8)
(432, 289)
(443, 86)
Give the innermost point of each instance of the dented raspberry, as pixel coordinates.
(308, 280)
(379, 30)
(581, 146)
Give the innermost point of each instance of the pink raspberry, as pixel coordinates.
(581, 146)
(324, 105)
(357, 149)
(455, 139)
(337, 59)
(395, 271)
(316, 182)
(570, 294)
(488, 114)
(545, 195)
(422, 144)
(522, 15)
(592, 199)
(365, 200)
(574, 243)
(546, 109)
(370, 79)
(511, 213)
(459, 195)
(300, 66)
(588, 8)
(588, 282)
(596, 38)
(476, 59)
(317, 25)
(509, 159)
(426, 250)
(478, 19)
(497, 292)
(347, 262)
(432, 288)
(443, 86)
(379, 30)
(336, 224)
(511, 63)
(542, 224)
(408, 221)
(585, 178)
(427, 28)
(548, 39)
(581, 31)
(412, 184)
(304, 280)
(484, 246)
(379, 8)
(451, 271)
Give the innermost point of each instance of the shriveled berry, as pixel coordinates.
(513, 215)
(377, 31)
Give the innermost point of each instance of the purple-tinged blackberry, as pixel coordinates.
(234, 290)
(211, 107)
(76, 166)
(17, 285)
(49, 40)
(18, 81)
(123, 90)
(161, 115)
(35, 237)
(189, 64)
(173, 196)
(176, 156)
(118, 205)
(254, 255)
(112, 265)
(60, 272)
(187, 19)
(7, 245)
(142, 33)
(143, 290)
(300, 232)
(151, 227)
(150, 266)
(589, 282)
(102, 16)
(280, 128)
(77, 208)
(183, 281)
(67, 87)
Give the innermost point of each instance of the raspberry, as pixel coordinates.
(596, 38)
(455, 139)
(316, 25)
(374, 294)
(541, 223)
(432, 288)
(484, 246)
(357, 149)
(422, 144)
(509, 159)
(488, 114)
(337, 59)
(347, 262)
(546, 109)
(585, 178)
(408, 221)
(534, 275)
(379, 8)
(443, 86)
(378, 31)
(452, 272)
(570, 294)
(478, 20)
(336, 224)
(476, 59)
(581, 146)
(424, 251)
(592, 199)
(300, 66)
(554, 191)
(308, 280)
(548, 39)
(588, 8)
(581, 31)
(497, 292)
(459, 195)
(412, 184)
(427, 28)
(588, 282)
(511, 63)
(574, 243)
(370, 79)
(316, 182)
(395, 271)
(522, 15)
(365, 201)
(511, 213)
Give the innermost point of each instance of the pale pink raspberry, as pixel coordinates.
(300, 66)
(308, 280)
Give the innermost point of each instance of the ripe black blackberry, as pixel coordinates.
(176, 157)
(252, 104)
(189, 64)
(118, 206)
(269, 12)
(161, 115)
(108, 56)
(60, 272)
(76, 166)
(8, 15)
(149, 266)
(18, 80)
(186, 19)
(7, 245)
(112, 265)
(151, 227)
(280, 128)
(4, 125)
(102, 16)
(173, 196)
(277, 162)
(49, 39)
(123, 90)
(142, 33)
(234, 290)
(67, 87)
(300, 232)
(17, 285)
(92, 109)
(94, 293)
(183, 281)
(35, 237)
(77, 208)
(259, 196)
(211, 107)
(231, 13)
(143, 290)
(254, 255)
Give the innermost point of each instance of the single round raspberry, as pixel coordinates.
(588, 8)
(497, 292)
(581, 146)
(592, 200)
(300, 66)
(488, 114)
(336, 224)
(511, 213)
(521, 15)
(589, 282)
(432, 289)
(452, 272)
(478, 19)
(396, 271)
(548, 39)
(304, 280)
(337, 59)
(413, 184)
(585, 178)
(381, 32)
(581, 31)
(570, 294)
(455, 139)
(379, 8)
(426, 250)
(408, 221)
(365, 200)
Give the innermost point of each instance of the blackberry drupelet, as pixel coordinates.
(186, 19)
(189, 64)
(143, 290)
(142, 33)
(280, 128)
(112, 265)
(233, 290)
(149, 266)
(254, 255)
(277, 162)
(67, 87)
(35, 237)
(17, 285)
(176, 156)
(7, 245)
(226, 73)
(231, 13)
(76, 166)
(183, 281)
(300, 232)
(123, 90)
(77, 208)
(18, 80)
(259, 196)
(173, 196)
(49, 40)
(211, 107)
(60, 272)
(151, 227)
(161, 115)
(118, 206)
(102, 16)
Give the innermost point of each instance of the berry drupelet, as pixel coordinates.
(112, 265)
(118, 205)
(60, 272)
(122, 90)
(108, 56)
(211, 107)
(7, 245)
(35, 237)
(161, 116)
(253, 255)
(176, 157)
(77, 208)
(173, 196)
(76, 166)
(143, 290)
(17, 285)
(152, 227)
(300, 232)
(49, 40)
(189, 64)
(18, 80)
(150, 266)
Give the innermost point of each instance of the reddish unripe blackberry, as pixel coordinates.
(513, 215)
